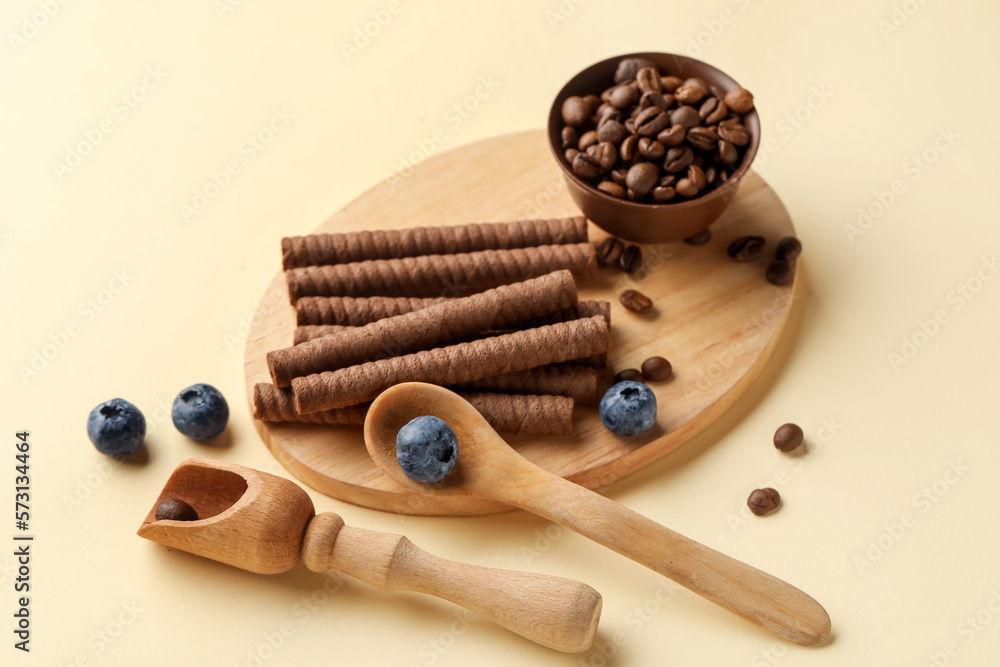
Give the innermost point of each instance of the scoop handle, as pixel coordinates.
(744, 590)
(552, 611)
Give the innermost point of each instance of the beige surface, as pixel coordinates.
(902, 450)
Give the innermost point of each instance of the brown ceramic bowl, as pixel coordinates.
(640, 222)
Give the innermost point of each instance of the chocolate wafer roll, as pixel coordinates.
(544, 415)
(355, 312)
(576, 382)
(428, 327)
(455, 364)
(304, 334)
(319, 249)
(581, 309)
(441, 275)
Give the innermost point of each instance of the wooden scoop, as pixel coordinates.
(488, 468)
(265, 524)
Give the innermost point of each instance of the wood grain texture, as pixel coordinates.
(716, 320)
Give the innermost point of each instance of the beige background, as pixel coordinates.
(110, 291)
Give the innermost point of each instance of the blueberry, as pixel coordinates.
(116, 428)
(426, 449)
(200, 412)
(628, 408)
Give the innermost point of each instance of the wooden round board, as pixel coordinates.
(716, 320)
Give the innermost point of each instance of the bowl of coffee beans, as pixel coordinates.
(653, 145)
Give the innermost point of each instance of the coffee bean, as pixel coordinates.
(175, 509)
(733, 131)
(651, 122)
(605, 153)
(762, 501)
(779, 273)
(740, 100)
(711, 176)
(672, 136)
(587, 139)
(585, 166)
(663, 193)
(635, 301)
(697, 176)
(788, 249)
(678, 158)
(629, 67)
(619, 175)
(651, 149)
(702, 138)
(718, 114)
(701, 238)
(685, 116)
(788, 437)
(670, 83)
(667, 180)
(657, 369)
(701, 84)
(653, 99)
(612, 131)
(606, 112)
(727, 153)
(642, 177)
(746, 248)
(648, 80)
(628, 375)
(611, 188)
(686, 94)
(575, 111)
(569, 137)
(610, 248)
(685, 188)
(630, 125)
(633, 195)
(707, 107)
(570, 154)
(630, 261)
(593, 100)
(624, 95)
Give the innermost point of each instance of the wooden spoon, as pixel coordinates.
(487, 467)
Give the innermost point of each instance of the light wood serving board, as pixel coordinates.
(716, 320)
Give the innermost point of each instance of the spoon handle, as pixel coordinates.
(552, 611)
(744, 590)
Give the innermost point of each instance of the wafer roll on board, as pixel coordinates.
(421, 329)
(308, 332)
(576, 382)
(441, 275)
(454, 364)
(357, 311)
(319, 249)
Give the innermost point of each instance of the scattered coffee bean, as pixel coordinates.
(788, 249)
(635, 301)
(628, 68)
(740, 100)
(701, 238)
(630, 261)
(762, 501)
(788, 437)
(780, 273)
(175, 509)
(657, 369)
(575, 111)
(610, 249)
(629, 375)
(746, 248)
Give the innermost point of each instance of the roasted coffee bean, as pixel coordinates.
(585, 166)
(788, 249)
(718, 114)
(762, 501)
(569, 137)
(629, 150)
(657, 369)
(642, 177)
(663, 193)
(708, 107)
(610, 248)
(635, 301)
(728, 155)
(630, 261)
(788, 437)
(618, 175)
(629, 67)
(701, 238)
(685, 116)
(575, 111)
(606, 112)
(570, 154)
(702, 138)
(697, 176)
(670, 83)
(685, 188)
(686, 94)
(587, 139)
(628, 375)
(593, 100)
(624, 95)
(647, 80)
(667, 180)
(701, 84)
(733, 131)
(651, 121)
(711, 176)
(611, 130)
(672, 136)
(779, 273)
(678, 158)
(630, 125)
(605, 153)
(651, 149)
(633, 195)
(740, 100)
(175, 509)
(611, 188)
(653, 99)
(746, 248)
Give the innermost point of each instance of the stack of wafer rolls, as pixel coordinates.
(490, 310)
